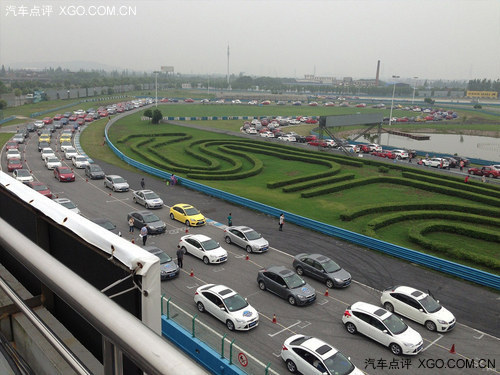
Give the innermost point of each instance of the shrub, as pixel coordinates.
(383, 169)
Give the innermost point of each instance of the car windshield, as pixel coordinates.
(150, 218)
(151, 196)
(81, 158)
(430, 304)
(64, 170)
(68, 204)
(164, 258)
(294, 281)
(210, 244)
(108, 225)
(40, 187)
(119, 180)
(23, 173)
(95, 168)
(52, 160)
(235, 303)
(338, 364)
(192, 211)
(253, 235)
(395, 324)
(330, 266)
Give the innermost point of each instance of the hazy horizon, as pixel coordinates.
(428, 39)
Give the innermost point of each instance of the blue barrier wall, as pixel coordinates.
(198, 350)
(7, 119)
(455, 269)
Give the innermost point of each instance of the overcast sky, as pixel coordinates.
(429, 39)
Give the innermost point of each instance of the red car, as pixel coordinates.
(266, 102)
(313, 104)
(58, 117)
(311, 121)
(80, 121)
(365, 148)
(429, 118)
(88, 119)
(104, 114)
(188, 100)
(485, 171)
(13, 164)
(12, 145)
(47, 120)
(164, 100)
(72, 118)
(378, 153)
(81, 115)
(318, 142)
(388, 154)
(310, 138)
(64, 174)
(41, 188)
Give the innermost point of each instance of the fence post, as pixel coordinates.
(194, 318)
(222, 350)
(162, 296)
(231, 352)
(267, 368)
(168, 307)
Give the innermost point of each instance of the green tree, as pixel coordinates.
(157, 116)
(3, 104)
(148, 113)
(429, 101)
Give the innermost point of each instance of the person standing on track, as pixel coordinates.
(282, 221)
(180, 256)
(143, 183)
(144, 235)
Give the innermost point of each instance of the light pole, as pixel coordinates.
(156, 86)
(414, 88)
(392, 102)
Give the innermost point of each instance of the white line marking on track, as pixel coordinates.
(192, 286)
(432, 343)
(218, 269)
(284, 329)
(276, 355)
(306, 323)
(324, 302)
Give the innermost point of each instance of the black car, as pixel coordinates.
(459, 159)
(42, 145)
(64, 121)
(149, 219)
(94, 171)
(168, 268)
(300, 139)
(106, 224)
(322, 268)
(30, 127)
(452, 162)
(58, 124)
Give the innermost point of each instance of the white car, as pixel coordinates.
(251, 131)
(116, 183)
(79, 112)
(236, 101)
(287, 138)
(19, 138)
(65, 145)
(400, 154)
(51, 162)
(294, 121)
(246, 238)
(384, 327)
(311, 356)
(147, 198)
(47, 152)
(353, 148)
(496, 166)
(330, 142)
(203, 247)
(436, 163)
(267, 134)
(419, 307)
(227, 306)
(39, 124)
(70, 152)
(375, 147)
(13, 153)
(253, 102)
(80, 161)
(220, 101)
(22, 175)
(68, 204)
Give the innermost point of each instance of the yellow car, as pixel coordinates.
(44, 138)
(65, 138)
(187, 214)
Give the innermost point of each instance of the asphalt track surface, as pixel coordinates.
(477, 309)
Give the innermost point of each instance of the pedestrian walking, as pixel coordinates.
(466, 179)
(282, 221)
(483, 179)
(461, 165)
(144, 235)
(229, 220)
(143, 183)
(173, 180)
(409, 158)
(131, 224)
(180, 256)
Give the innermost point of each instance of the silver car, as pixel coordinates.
(247, 238)
(147, 198)
(116, 183)
(322, 268)
(68, 204)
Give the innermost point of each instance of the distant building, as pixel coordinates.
(186, 86)
(482, 94)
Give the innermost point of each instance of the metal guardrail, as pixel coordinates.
(451, 268)
(7, 119)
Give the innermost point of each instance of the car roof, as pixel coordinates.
(408, 290)
(113, 176)
(153, 249)
(371, 309)
(320, 347)
(145, 191)
(199, 237)
(280, 270)
(221, 290)
(319, 257)
(182, 205)
(144, 212)
(242, 228)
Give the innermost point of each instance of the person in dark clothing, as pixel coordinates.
(143, 184)
(229, 220)
(180, 256)
(282, 221)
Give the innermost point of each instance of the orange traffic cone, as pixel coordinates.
(452, 350)
(274, 318)
(247, 257)
(192, 273)
(187, 230)
(326, 293)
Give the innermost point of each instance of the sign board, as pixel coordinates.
(167, 69)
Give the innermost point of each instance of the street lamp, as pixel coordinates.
(156, 86)
(392, 102)
(414, 87)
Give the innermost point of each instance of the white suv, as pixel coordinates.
(436, 163)
(418, 306)
(384, 327)
(400, 154)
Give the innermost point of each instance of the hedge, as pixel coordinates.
(417, 235)
(317, 182)
(130, 136)
(388, 207)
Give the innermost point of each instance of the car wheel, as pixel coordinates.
(200, 306)
(184, 250)
(227, 239)
(147, 206)
(470, 172)
(490, 176)
(430, 325)
(329, 284)
(135, 200)
(114, 188)
(249, 249)
(395, 349)
(300, 271)
(205, 260)
(172, 216)
(290, 365)
(388, 306)
(187, 223)
(292, 301)
(262, 285)
(351, 328)
(230, 325)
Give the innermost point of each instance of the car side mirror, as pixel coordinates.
(223, 309)
(437, 301)
(385, 331)
(421, 310)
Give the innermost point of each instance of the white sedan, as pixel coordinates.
(203, 247)
(52, 162)
(436, 163)
(47, 152)
(227, 306)
(70, 152)
(80, 161)
(419, 307)
(147, 198)
(13, 153)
